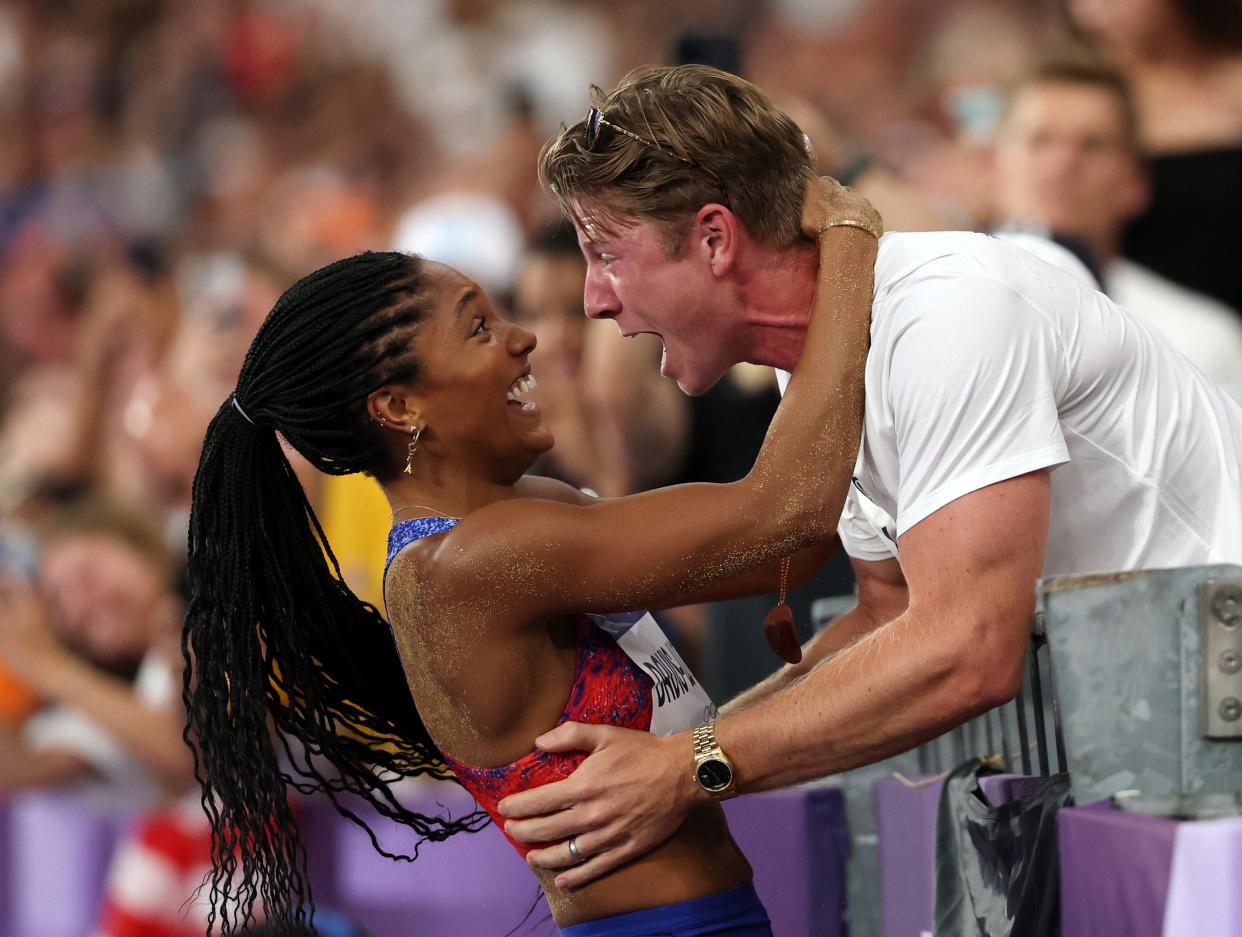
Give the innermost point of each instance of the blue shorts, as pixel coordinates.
(737, 912)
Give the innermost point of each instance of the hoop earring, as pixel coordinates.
(409, 459)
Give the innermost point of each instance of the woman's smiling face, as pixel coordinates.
(474, 391)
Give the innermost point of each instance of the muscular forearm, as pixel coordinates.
(901, 685)
(956, 650)
(847, 629)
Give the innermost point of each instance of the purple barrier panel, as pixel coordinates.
(1205, 884)
(798, 844)
(59, 850)
(5, 867)
(905, 819)
(1001, 789)
(1114, 871)
(474, 883)
(317, 824)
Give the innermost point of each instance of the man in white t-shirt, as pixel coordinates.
(987, 364)
(1018, 424)
(1068, 164)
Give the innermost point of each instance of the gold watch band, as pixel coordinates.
(707, 752)
(705, 740)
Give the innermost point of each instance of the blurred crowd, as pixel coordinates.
(168, 168)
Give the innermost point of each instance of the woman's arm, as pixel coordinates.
(761, 580)
(542, 558)
(766, 579)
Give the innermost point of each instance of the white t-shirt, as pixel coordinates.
(987, 362)
(1207, 332)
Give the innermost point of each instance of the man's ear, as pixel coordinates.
(716, 233)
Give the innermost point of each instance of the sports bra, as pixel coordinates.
(626, 673)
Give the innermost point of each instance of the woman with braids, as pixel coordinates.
(510, 596)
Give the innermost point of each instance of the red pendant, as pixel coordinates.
(778, 628)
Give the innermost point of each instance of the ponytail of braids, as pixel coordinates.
(276, 645)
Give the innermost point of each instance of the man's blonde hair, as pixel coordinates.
(719, 139)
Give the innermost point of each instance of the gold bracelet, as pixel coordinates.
(875, 229)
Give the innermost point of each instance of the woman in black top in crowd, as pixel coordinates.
(1184, 58)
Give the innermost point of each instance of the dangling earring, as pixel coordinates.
(409, 460)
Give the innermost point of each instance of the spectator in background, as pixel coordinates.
(129, 320)
(153, 879)
(975, 52)
(903, 205)
(926, 169)
(94, 638)
(42, 292)
(222, 298)
(619, 426)
(67, 423)
(1068, 165)
(1184, 59)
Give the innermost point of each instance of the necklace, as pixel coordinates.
(778, 626)
(425, 508)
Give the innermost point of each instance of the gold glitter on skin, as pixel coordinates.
(482, 614)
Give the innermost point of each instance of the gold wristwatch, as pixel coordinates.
(712, 769)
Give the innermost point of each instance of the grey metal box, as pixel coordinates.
(1136, 692)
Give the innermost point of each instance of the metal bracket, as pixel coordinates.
(1220, 622)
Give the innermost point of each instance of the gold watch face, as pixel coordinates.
(714, 775)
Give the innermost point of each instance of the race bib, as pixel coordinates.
(678, 701)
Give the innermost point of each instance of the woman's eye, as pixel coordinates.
(480, 325)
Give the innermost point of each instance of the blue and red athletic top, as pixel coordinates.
(610, 688)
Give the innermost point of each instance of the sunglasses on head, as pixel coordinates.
(595, 121)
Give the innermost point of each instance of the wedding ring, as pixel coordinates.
(578, 857)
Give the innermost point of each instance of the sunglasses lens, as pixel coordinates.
(592, 128)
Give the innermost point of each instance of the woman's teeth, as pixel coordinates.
(521, 387)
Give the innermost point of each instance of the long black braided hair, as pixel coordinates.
(272, 633)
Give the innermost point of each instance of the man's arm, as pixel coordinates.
(882, 596)
(23, 767)
(956, 651)
(152, 734)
